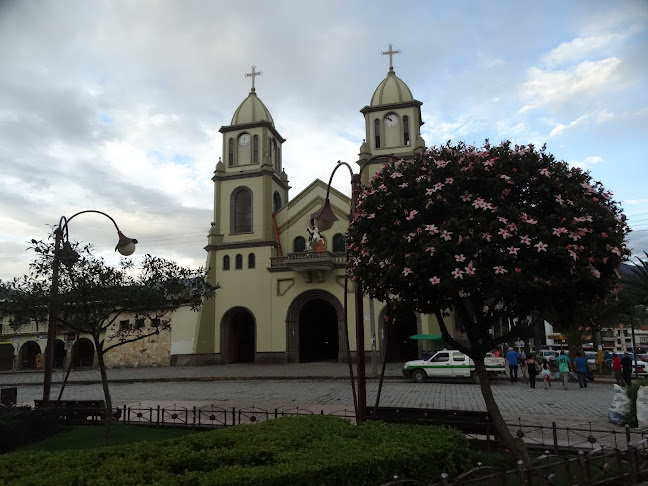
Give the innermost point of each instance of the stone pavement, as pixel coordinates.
(325, 387)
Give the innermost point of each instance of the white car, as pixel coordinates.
(450, 363)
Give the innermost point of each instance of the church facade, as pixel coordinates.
(283, 293)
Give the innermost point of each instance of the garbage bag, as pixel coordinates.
(642, 407)
(620, 406)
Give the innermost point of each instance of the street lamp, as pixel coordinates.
(324, 219)
(125, 246)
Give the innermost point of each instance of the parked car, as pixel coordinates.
(547, 355)
(592, 360)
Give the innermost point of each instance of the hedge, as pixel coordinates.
(22, 425)
(306, 450)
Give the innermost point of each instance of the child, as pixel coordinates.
(546, 374)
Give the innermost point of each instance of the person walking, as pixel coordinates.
(626, 365)
(564, 367)
(617, 369)
(546, 374)
(512, 357)
(531, 369)
(580, 364)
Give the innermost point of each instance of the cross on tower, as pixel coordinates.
(390, 52)
(253, 75)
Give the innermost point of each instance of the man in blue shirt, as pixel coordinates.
(581, 370)
(512, 357)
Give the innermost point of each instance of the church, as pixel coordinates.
(282, 282)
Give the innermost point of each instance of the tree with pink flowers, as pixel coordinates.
(489, 235)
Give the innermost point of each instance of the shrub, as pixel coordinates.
(297, 451)
(21, 425)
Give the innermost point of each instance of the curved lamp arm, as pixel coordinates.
(125, 245)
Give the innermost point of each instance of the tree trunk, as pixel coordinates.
(108, 400)
(515, 445)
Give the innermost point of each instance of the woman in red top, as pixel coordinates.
(617, 369)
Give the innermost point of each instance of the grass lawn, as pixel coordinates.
(88, 436)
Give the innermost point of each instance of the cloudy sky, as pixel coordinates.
(116, 105)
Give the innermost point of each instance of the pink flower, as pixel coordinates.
(526, 240)
(559, 231)
(470, 270)
(457, 273)
(403, 185)
(435, 280)
(395, 175)
(449, 180)
(541, 246)
(446, 235)
(487, 236)
(512, 250)
(559, 200)
(407, 271)
(518, 270)
(466, 196)
(500, 270)
(430, 249)
(411, 215)
(505, 234)
(431, 228)
(502, 220)
(545, 172)
(460, 258)
(371, 216)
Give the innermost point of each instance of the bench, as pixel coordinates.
(468, 421)
(76, 409)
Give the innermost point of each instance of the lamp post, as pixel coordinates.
(324, 219)
(125, 246)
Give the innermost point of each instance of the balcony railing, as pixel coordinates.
(308, 260)
(30, 328)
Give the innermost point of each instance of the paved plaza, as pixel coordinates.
(315, 386)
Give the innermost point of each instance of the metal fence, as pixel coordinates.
(210, 416)
(597, 467)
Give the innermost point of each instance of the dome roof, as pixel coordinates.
(391, 90)
(252, 110)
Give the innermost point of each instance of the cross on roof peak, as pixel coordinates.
(253, 75)
(390, 52)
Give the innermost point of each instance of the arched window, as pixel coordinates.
(377, 132)
(251, 261)
(230, 152)
(406, 135)
(255, 149)
(276, 202)
(241, 210)
(226, 262)
(338, 243)
(238, 262)
(299, 244)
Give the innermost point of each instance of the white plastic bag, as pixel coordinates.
(642, 407)
(620, 406)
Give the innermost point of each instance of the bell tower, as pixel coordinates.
(249, 181)
(392, 123)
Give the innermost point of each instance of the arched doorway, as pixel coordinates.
(83, 353)
(314, 328)
(238, 336)
(399, 347)
(59, 354)
(6, 356)
(30, 356)
(318, 332)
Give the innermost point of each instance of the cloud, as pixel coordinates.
(586, 79)
(587, 162)
(584, 47)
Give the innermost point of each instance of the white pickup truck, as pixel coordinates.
(450, 363)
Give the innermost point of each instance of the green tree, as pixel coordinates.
(493, 233)
(93, 297)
